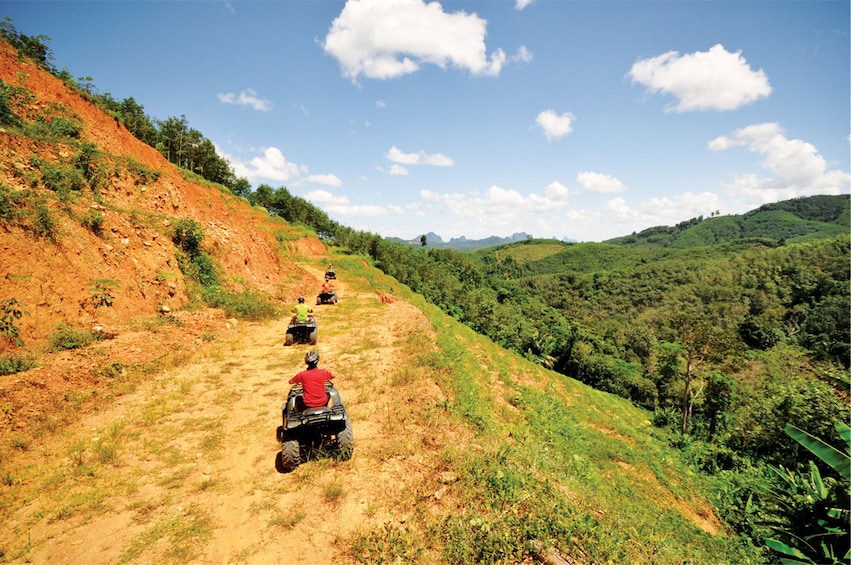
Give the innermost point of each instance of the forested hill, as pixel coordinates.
(796, 220)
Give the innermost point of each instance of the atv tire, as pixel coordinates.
(346, 442)
(313, 337)
(290, 454)
(288, 340)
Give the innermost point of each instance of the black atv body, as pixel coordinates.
(311, 432)
(302, 332)
(327, 297)
(331, 275)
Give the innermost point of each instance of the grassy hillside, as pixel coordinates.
(549, 461)
(801, 219)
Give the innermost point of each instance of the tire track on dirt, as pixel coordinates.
(194, 479)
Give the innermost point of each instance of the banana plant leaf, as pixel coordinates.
(840, 462)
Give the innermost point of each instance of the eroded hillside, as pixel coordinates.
(66, 226)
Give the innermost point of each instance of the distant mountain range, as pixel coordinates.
(792, 220)
(434, 241)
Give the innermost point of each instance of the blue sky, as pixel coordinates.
(569, 119)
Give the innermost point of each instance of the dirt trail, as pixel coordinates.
(191, 475)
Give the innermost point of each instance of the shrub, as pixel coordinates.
(43, 223)
(11, 312)
(11, 363)
(86, 160)
(62, 180)
(65, 128)
(244, 305)
(188, 235)
(68, 337)
(9, 202)
(93, 221)
(7, 117)
(101, 295)
(197, 265)
(55, 129)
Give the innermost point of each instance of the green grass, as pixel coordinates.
(524, 252)
(553, 462)
(66, 336)
(11, 363)
(172, 539)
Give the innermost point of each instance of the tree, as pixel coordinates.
(240, 187)
(423, 240)
(33, 47)
(172, 138)
(702, 341)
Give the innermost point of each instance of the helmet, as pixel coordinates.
(300, 299)
(311, 358)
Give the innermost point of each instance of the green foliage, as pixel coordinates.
(58, 128)
(280, 202)
(133, 116)
(9, 205)
(815, 520)
(143, 173)
(34, 48)
(101, 295)
(7, 115)
(93, 221)
(66, 337)
(42, 222)
(195, 264)
(185, 147)
(12, 363)
(11, 313)
(796, 220)
(391, 544)
(245, 305)
(188, 235)
(199, 268)
(63, 180)
(86, 159)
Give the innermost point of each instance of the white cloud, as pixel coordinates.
(598, 182)
(247, 97)
(398, 170)
(710, 80)
(327, 179)
(796, 167)
(385, 39)
(341, 206)
(499, 211)
(272, 165)
(664, 211)
(420, 158)
(557, 192)
(523, 55)
(520, 4)
(555, 126)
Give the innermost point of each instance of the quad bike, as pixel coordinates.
(331, 274)
(301, 332)
(327, 297)
(310, 432)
